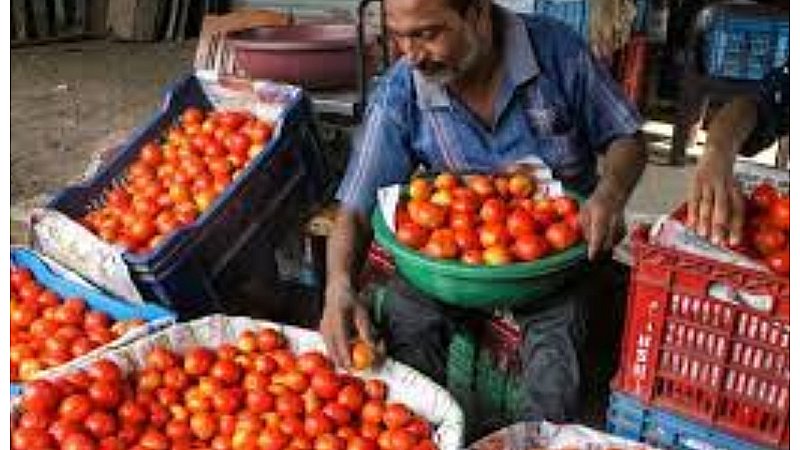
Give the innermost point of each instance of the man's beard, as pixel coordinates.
(439, 73)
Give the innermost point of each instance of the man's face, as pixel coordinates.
(440, 43)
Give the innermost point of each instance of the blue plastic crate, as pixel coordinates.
(117, 309)
(241, 228)
(629, 418)
(574, 13)
(745, 47)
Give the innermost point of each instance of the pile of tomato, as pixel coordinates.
(485, 219)
(173, 181)
(48, 331)
(766, 231)
(253, 394)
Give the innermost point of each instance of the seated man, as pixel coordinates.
(744, 126)
(478, 89)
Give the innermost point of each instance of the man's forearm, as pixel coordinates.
(623, 164)
(347, 247)
(732, 125)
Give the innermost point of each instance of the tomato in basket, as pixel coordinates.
(219, 398)
(174, 179)
(485, 219)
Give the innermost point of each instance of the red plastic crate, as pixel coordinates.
(717, 361)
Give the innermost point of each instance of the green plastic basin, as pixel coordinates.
(467, 286)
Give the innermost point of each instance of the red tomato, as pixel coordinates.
(441, 248)
(105, 394)
(763, 196)
(442, 198)
(412, 234)
(238, 143)
(493, 210)
(779, 262)
(779, 213)
(520, 186)
(467, 239)
(520, 223)
(30, 419)
(352, 397)
(311, 361)
(203, 425)
(362, 355)
(161, 358)
(101, 424)
(361, 443)
(329, 442)
(227, 401)
(75, 407)
(561, 236)
(105, 370)
(373, 411)
(30, 438)
(375, 389)
(396, 415)
(463, 221)
(289, 404)
(270, 339)
(544, 213)
(29, 292)
(178, 429)
(96, 319)
(769, 240)
(428, 215)
(20, 276)
(153, 439)
(47, 298)
(530, 247)
(272, 439)
(192, 115)
(420, 189)
(402, 439)
(133, 412)
(198, 361)
(419, 427)
(497, 255)
(494, 234)
(317, 424)
(502, 187)
(325, 384)
(481, 185)
(446, 181)
(565, 206)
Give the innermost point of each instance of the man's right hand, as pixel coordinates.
(344, 317)
(716, 206)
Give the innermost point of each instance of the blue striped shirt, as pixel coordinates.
(555, 102)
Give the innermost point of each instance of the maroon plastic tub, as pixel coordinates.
(312, 55)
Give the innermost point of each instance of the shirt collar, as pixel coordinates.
(519, 62)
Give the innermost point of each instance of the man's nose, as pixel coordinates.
(410, 49)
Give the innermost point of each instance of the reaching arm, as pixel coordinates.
(602, 215)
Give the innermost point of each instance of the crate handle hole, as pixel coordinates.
(729, 294)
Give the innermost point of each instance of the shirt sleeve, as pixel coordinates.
(379, 158)
(773, 111)
(603, 110)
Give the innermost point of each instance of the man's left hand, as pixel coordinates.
(602, 220)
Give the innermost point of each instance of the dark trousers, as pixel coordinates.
(418, 332)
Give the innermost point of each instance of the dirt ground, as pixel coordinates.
(70, 100)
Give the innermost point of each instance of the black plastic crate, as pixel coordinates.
(242, 227)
